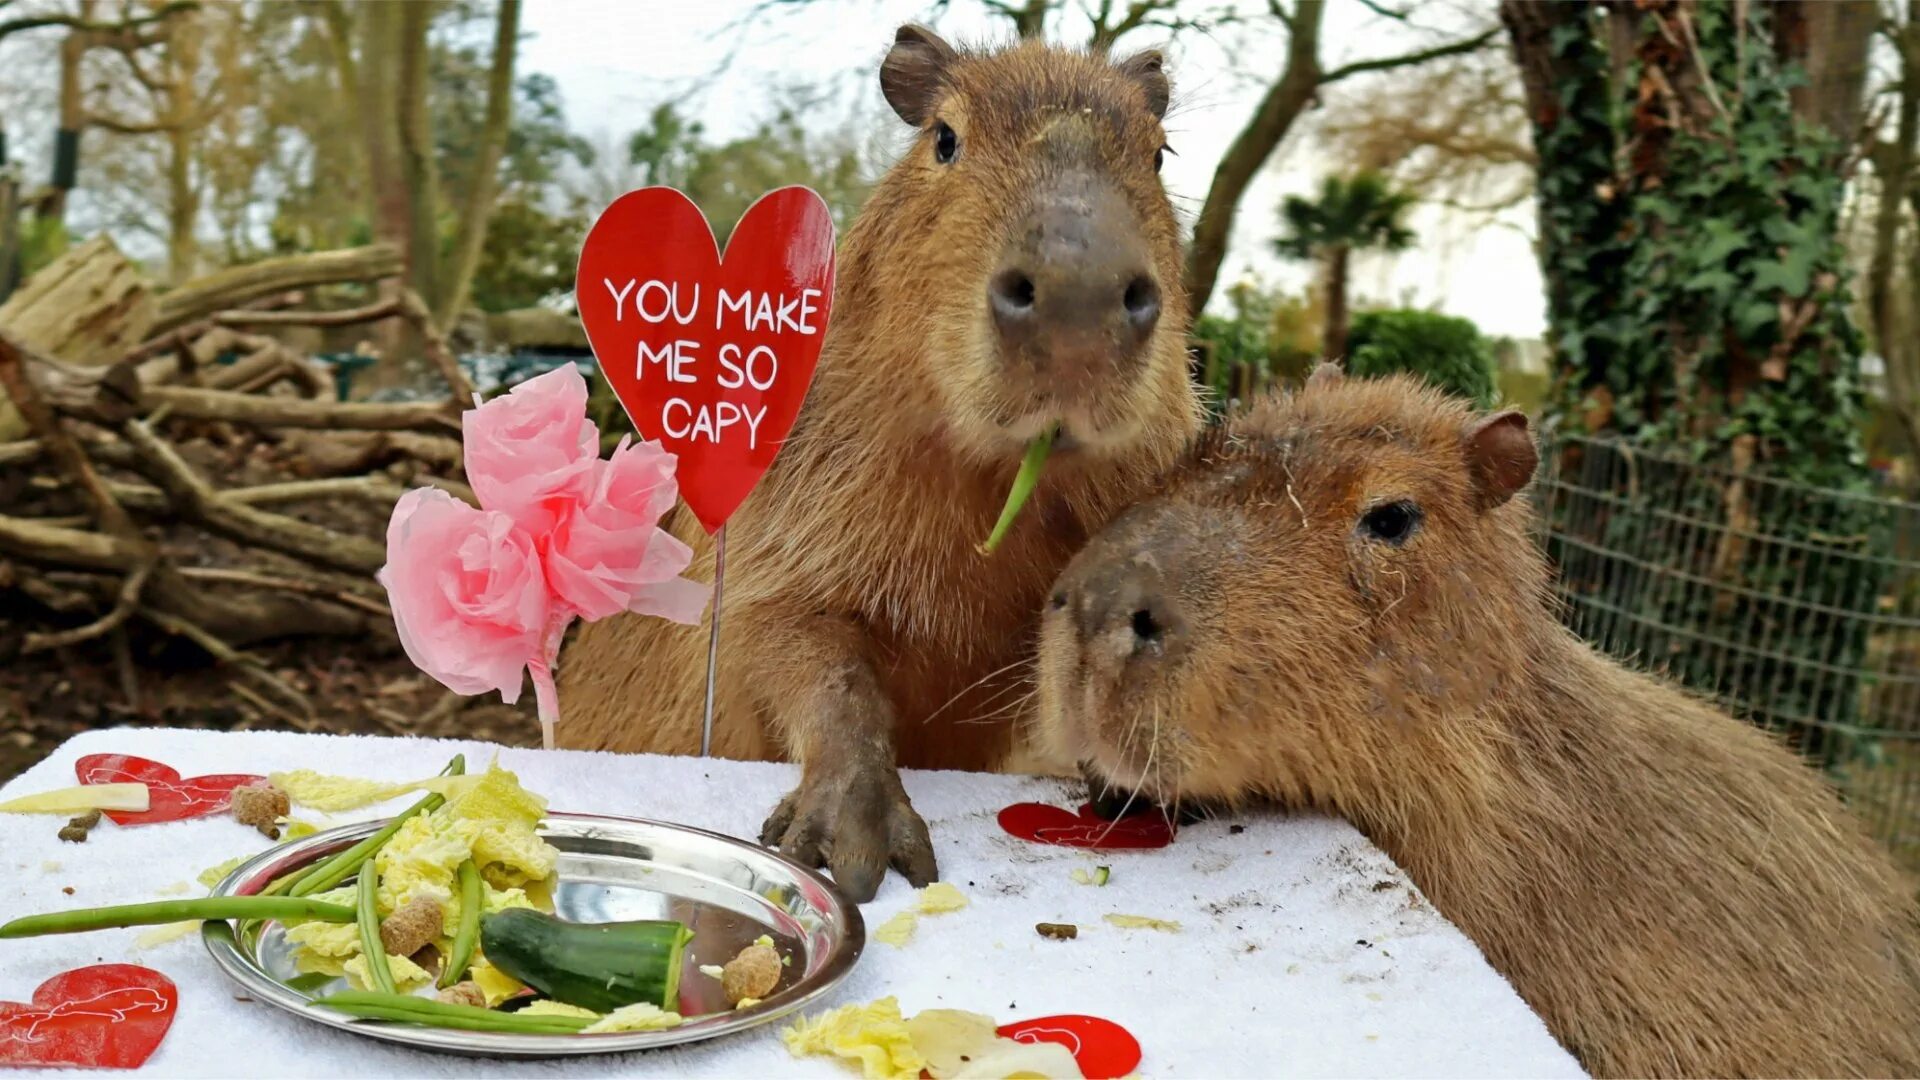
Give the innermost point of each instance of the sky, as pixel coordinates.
(614, 60)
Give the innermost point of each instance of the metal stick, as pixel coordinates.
(713, 636)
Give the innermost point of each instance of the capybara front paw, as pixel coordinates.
(856, 827)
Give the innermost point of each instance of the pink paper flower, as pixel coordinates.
(467, 591)
(608, 553)
(530, 453)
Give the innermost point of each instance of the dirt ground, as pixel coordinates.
(356, 688)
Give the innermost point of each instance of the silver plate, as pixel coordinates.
(728, 891)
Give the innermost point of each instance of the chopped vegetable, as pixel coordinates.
(411, 928)
(261, 806)
(497, 985)
(640, 1016)
(372, 955)
(333, 870)
(405, 974)
(1142, 922)
(1057, 931)
(713, 971)
(939, 898)
(214, 875)
(468, 934)
(945, 1043)
(337, 793)
(898, 930)
(1101, 875)
(166, 932)
(557, 1008)
(406, 1009)
(1024, 482)
(166, 911)
(129, 797)
(463, 993)
(600, 966)
(752, 974)
(874, 1035)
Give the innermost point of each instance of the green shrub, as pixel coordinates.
(1446, 351)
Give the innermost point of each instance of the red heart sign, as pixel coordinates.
(169, 798)
(1102, 1048)
(710, 357)
(1045, 824)
(110, 1016)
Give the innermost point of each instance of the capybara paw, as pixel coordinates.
(856, 828)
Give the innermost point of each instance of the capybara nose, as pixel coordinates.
(1123, 608)
(1074, 296)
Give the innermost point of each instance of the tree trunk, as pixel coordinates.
(73, 114)
(379, 82)
(181, 123)
(418, 170)
(1893, 162)
(472, 230)
(1830, 41)
(1282, 105)
(1333, 345)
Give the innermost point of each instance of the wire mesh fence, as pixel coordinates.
(1795, 607)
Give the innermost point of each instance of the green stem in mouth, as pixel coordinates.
(1024, 482)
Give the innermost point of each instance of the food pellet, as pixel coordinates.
(752, 974)
(414, 926)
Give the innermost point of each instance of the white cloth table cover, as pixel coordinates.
(1303, 951)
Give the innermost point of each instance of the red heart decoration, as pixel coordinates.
(1103, 1048)
(1045, 824)
(717, 381)
(169, 798)
(109, 1016)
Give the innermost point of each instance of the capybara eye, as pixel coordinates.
(1391, 523)
(1159, 158)
(946, 143)
(1145, 626)
(1059, 601)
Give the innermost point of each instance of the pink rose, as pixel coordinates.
(608, 554)
(467, 593)
(531, 451)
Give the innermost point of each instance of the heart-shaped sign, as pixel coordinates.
(170, 798)
(1103, 1049)
(1045, 824)
(710, 356)
(110, 1016)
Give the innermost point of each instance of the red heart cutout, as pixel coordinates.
(718, 382)
(1103, 1048)
(109, 1016)
(169, 798)
(1045, 824)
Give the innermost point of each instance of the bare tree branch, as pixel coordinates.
(75, 22)
(1387, 63)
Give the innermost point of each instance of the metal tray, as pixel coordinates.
(728, 891)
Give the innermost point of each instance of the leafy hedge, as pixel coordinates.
(1448, 352)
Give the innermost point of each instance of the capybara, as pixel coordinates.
(1018, 268)
(1336, 604)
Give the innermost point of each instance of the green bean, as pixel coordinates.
(407, 1009)
(1024, 482)
(333, 870)
(378, 974)
(468, 933)
(167, 911)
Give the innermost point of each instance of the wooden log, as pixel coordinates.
(202, 297)
(199, 503)
(287, 412)
(345, 317)
(89, 306)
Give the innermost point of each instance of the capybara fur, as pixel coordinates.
(1017, 269)
(1336, 604)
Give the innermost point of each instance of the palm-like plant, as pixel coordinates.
(1359, 213)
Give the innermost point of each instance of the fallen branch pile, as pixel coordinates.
(223, 504)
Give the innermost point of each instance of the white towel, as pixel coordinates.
(1293, 958)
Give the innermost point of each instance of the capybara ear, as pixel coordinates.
(1149, 70)
(1325, 373)
(911, 74)
(1500, 455)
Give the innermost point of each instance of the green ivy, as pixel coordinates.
(1697, 302)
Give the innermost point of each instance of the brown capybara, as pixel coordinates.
(1336, 604)
(1018, 268)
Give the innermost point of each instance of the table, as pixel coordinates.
(1304, 951)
